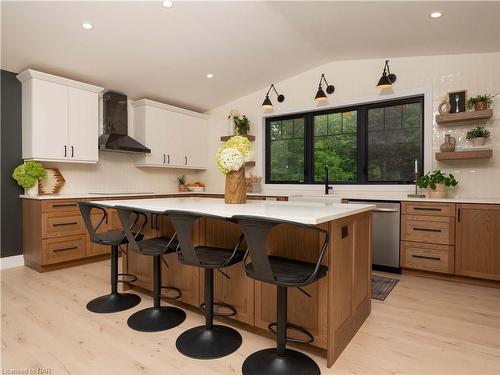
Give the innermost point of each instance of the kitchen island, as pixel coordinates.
(338, 304)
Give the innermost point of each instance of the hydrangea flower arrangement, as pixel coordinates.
(233, 154)
(28, 174)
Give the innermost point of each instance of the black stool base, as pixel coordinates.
(202, 343)
(268, 362)
(155, 319)
(115, 302)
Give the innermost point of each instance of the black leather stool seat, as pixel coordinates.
(157, 246)
(289, 271)
(213, 257)
(113, 237)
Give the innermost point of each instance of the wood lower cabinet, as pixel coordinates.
(478, 241)
(427, 257)
(63, 249)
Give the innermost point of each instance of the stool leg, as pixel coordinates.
(115, 301)
(156, 318)
(280, 360)
(211, 340)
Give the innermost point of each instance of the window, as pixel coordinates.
(375, 143)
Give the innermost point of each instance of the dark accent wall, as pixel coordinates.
(10, 157)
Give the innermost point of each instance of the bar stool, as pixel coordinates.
(210, 340)
(156, 318)
(284, 273)
(114, 301)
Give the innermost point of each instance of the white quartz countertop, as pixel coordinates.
(311, 213)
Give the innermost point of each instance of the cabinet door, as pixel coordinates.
(150, 130)
(83, 119)
(478, 241)
(47, 132)
(176, 139)
(195, 144)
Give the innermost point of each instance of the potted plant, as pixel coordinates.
(182, 183)
(480, 102)
(478, 135)
(27, 176)
(242, 124)
(437, 182)
(230, 159)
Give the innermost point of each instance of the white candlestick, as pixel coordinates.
(416, 166)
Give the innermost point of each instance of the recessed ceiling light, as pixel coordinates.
(210, 75)
(87, 26)
(436, 14)
(168, 3)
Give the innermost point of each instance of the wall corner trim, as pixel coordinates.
(10, 262)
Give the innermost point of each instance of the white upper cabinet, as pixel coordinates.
(60, 118)
(176, 137)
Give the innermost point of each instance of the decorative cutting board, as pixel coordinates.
(52, 183)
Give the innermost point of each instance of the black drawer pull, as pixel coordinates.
(64, 205)
(427, 208)
(427, 229)
(426, 257)
(65, 248)
(63, 224)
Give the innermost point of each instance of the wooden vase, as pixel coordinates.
(235, 187)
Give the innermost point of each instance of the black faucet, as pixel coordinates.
(327, 186)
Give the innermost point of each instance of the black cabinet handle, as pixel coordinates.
(163, 158)
(185, 160)
(65, 150)
(168, 159)
(72, 151)
(426, 257)
(65, 248)
(426, 208)
(427, 229)
(64, 205)
(459, 215)
(64, 224)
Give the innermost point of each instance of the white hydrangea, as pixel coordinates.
(231, 159)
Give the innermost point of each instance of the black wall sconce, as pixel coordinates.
(320, 95)
(267, 104)
(387, 79)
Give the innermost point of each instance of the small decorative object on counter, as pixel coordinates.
(437, 182)
(182, 184)
(457, 100)
(52, 183)
(230, 159)
(478, 135)
(449, 144)
(241, 124)
(253, 184)
(480, 102)
(445, 107)
(416, 194)
(197, 187)
(27, 176)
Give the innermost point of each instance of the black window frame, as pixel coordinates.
(362, 141)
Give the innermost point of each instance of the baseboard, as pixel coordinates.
(13, 261)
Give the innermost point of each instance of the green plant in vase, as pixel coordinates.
(242, 124)
(181, 183)
(478, 135)
(480, 102)
(437, 182)
(27, 176)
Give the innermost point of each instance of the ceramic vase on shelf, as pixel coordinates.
(449, 144)
(480, 106)
(235, 192)
(478, 141)
(439, 192)
(32, 191)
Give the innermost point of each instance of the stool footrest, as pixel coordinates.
(131, 278)
(309, 337)
(232, 311)
(176, 290)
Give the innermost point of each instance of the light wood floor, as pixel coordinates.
(424, 327)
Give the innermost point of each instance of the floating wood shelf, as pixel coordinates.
(251, 138)
(460, 155)
(250, 163)
(464, 116)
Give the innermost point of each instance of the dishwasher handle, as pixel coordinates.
(384, 210)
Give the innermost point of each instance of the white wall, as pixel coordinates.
(115, 173)
(355, 82)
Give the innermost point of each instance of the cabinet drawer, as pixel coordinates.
(58, 224)
(428, 209)
(63, 249)
(429, 229)
(427, 257)
(60, 205)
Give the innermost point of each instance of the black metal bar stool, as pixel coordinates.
(114, 301)
(284, 273)
(156, 318)
(211, 340)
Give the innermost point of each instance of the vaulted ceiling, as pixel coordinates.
(148, 51)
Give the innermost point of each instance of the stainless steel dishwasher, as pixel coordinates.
(385, 235)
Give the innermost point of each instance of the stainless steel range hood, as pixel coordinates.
(115, 122)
